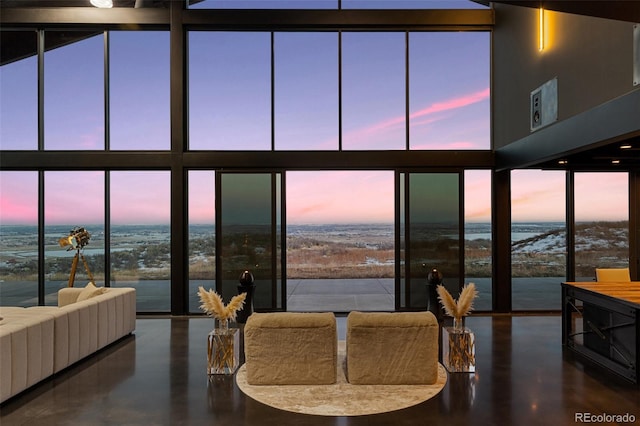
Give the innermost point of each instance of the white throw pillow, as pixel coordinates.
(90, 291)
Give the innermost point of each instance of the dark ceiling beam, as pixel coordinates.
(613, 121)
(444, 19)
(457, 19)
(85, 17)
(620, 10)
(291, 160)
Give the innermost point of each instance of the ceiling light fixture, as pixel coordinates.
(626, 146)
(562, 162)
(615, 161)
(103, 4)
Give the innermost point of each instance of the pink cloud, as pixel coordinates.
(425, 115)
(451, 104)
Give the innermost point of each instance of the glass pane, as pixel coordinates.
(247, 235)
(306, 91)
(72, 121)
(141, 236)
(73, 200)
(229, 91)
(434, 233)
(340, 241)
(477, 235)
(263, 4)
(449, 106)
(202, 234)
(411, 4)
(373, 91)
(538, 238)
(19, 89)
(139, 90)
(19, 238)
(602, 222)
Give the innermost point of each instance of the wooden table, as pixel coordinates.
(600, 323)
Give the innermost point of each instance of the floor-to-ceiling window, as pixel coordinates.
(19, 238)
(477, 235)
(306, 91)
(74, 92)
(140, 236)
(430, 234)
(104, 102)
(139, 90)
(201, 234)
(19, 99)
(601, 222)
(340, 241)
(538, 238)
(73, 200)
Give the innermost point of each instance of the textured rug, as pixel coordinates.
(342, 398)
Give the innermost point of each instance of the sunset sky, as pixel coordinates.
(229, 108)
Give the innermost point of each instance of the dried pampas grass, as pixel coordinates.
(463, 306)
(212, 304)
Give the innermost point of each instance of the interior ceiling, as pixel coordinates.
(606, 156)
(620, 155)
(620, 10)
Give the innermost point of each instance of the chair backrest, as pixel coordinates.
(613, 274)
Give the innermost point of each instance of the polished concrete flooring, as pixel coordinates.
(157, 377)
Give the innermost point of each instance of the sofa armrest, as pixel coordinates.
(68, 295)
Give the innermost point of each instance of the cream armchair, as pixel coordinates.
(613, 275)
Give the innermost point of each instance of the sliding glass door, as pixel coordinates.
(250, 232)
(430, 234)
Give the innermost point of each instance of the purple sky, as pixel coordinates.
(230, 109)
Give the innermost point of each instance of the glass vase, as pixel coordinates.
(458, 349)
(223, 345)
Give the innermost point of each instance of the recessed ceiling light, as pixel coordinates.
(104, 4)
(615, 161)
(563, 161)
(625, 146)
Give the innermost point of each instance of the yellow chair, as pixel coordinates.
(613, 275)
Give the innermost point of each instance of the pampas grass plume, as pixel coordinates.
(465, 301)
(212, 304)
(463, 306)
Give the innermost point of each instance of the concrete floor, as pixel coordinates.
(157, 377)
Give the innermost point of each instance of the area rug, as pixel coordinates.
(342, 398)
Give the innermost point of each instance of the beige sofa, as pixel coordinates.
(39, 341)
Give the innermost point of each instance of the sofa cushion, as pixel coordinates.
(90, 291)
